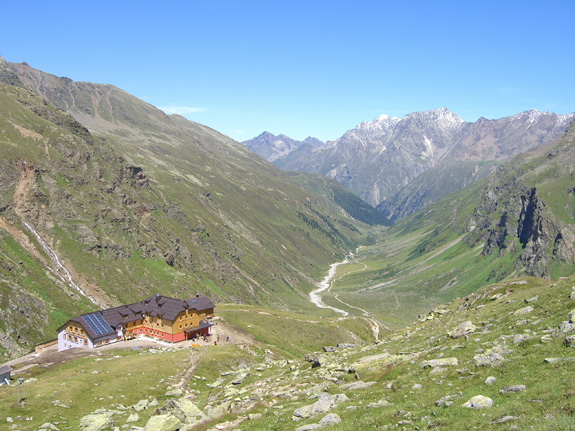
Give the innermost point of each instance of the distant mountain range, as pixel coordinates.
(403, 164)
(272, 147)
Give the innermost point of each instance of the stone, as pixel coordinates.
(254, 416)
(493, 356)
(478, 402)
(220, 381)
(447, 400)
(309, 427)
(346, 346)
(184, 410)
(167, 422)
(48, 426)
(175, 393)
(489, 359)
(463, 329)
(441, 362)
(513, 389)
(380, 403)
(571, 316)
(569, 341)
(325, 403)
(517, 339)
(134, 417)
(504, 419)
(318, 361)
(490, 380)
(416, 387)
(330, 419)
(523, 311)
(357, 385)
(96, 422)
(141, 405)
(329, 349)
(564, 328)
(240, 377)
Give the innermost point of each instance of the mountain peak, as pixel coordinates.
(384, 122)
(533, 115)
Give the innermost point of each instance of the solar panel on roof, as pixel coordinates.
(97, 323)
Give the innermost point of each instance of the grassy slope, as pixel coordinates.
(275, 389)
(438, 253)
(236, 227)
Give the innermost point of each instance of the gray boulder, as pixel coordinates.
(513, 389)
(564, 328)
(134, 417)
(141, 405)
(175, 393)
(463, 329)
(490, 380)
(96, 422)
(478, 402)
(441, 362)
(324, 404)
(309, 427)
(357, 385)
(569, 341)
(240, 377)
(524, 310)
(184, 410)
(447, 400)
(330, 419)
(489, 359)
(167, 422)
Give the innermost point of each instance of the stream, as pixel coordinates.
(325, 284)
(54, 257)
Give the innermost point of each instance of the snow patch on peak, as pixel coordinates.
(441, 117)
(383, 123)
(534, 115)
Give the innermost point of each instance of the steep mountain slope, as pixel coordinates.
(380, 159)
(271, 147)
(134, 202)
(520, 220)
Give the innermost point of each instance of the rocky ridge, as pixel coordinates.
(379, 160)
(271, 147)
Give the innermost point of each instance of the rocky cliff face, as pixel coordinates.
(527, 210)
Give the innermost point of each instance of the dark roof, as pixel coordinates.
(5, 369)
(203, 324)
(156, 305)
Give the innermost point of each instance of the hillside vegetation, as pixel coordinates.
(498, 358)
(134, 202)
(520, 220)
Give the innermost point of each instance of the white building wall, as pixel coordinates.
(65, 342)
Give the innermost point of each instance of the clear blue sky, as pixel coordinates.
(306, 67)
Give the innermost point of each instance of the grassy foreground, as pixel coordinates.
(386, 384)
